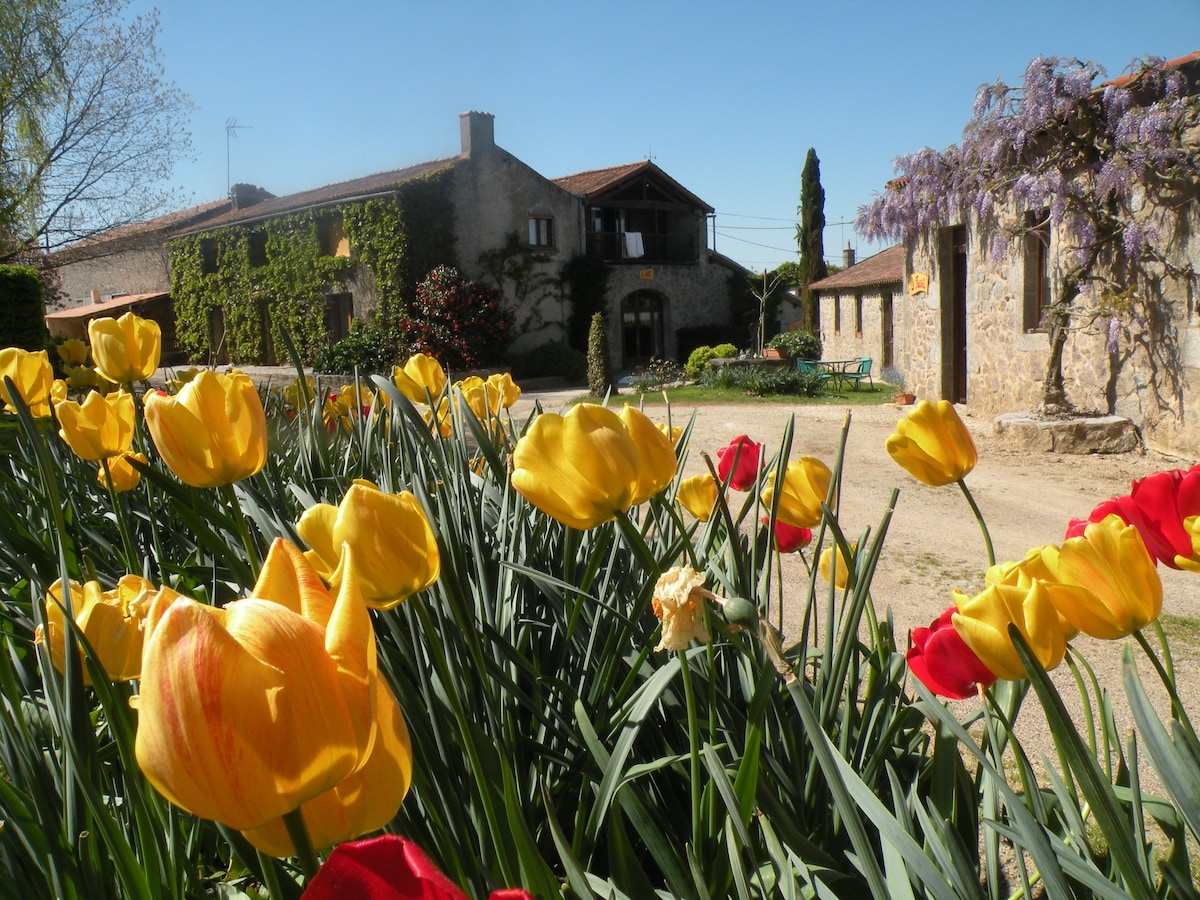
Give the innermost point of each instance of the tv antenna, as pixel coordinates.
(231, 130)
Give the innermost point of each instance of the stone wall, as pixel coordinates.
(144, 271)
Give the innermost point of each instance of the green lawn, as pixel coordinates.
(692, 395)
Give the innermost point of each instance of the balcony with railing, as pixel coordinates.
(654, 247)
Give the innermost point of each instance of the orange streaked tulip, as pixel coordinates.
(933, 445)
(250, 710)
(805, 487)
(111, 621)
(31, 374)
(362, 802)
(421, 378)
(125, 349)
(395, 551)
(213, 432)
(982, 622)
(698, 495)
(1118, 589)
(99, 428)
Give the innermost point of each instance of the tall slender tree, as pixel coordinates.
(810, 235)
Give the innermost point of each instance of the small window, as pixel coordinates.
(837, 314)
(256, 248)
(858, 314)
(339, 314)
(331, 232)
(541, 231)
(208, 256)
(1037, 269)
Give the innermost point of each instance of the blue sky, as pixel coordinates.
(725, 97)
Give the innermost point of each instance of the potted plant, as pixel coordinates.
(795, 344)
(903, 396)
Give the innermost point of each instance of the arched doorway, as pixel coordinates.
(641, 328)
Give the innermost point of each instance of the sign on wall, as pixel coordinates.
(646, 274)
(918, 283)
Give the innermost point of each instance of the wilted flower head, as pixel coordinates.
(679, 603)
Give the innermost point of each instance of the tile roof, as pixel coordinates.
(105, 307)
(594, 182)
(886, 267)
(151, 232)
(368, 185)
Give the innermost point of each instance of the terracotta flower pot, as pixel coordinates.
(906, 399)
(774, 353)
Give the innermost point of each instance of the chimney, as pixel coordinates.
(847, 256)
(244, 195)
(478, 130)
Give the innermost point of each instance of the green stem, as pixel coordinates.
(987, 538)
(118, 505)
(306, 856)
(243, 529)
(1168, 682)
(689, 692)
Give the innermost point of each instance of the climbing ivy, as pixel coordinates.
(397, 240)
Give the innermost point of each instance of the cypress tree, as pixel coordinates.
(598, 374)
(810, 235)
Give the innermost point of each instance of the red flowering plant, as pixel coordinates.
(738, 463)
(462, 323)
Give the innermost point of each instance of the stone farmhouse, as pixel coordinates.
(966, 326)
(240, 270)
(857, 308)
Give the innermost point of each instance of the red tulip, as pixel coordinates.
(944, 663)
(741, 457)
(388, 868)
(789, 538)
(1156, 506)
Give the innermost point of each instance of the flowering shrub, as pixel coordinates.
(462, 323)
(580, 691)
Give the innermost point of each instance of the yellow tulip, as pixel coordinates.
(836, 572)
(698, 495)
(982, 622)
(473, 392)
(585, 467)
(298, 393)
(805, 487)
(179, 379)
(439, 418)
(73, 352)
(213, 432)
(111, 621)
(1118, 589)
(80, 378)
(250, 710)
(98, 428)
(124, 476)
(504, 389)
(421, 378)
(657, 454)
(673, 432)
(59, 391)
(364, 801)
(125, 349)
(933, 445)
(1039, 563)
(32, 376)
(395, 551)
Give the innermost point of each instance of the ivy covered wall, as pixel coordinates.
(395, 239)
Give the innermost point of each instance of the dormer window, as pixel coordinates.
(541, 232)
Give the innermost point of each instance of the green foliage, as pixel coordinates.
(364, 350)
(759, 381)
(289, 290)
(599, 375)
(461, 323)
(810, 236)
(798, 344)
(688, 339)
(698, 359)
(22, 309)
(550, 360)
(655, 375)
(586, 281)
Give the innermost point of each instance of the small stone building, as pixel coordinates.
(858, 307)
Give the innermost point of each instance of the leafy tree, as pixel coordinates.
(1099, 163)
(810, 235)
(461, 323)
(599, 375)
(89, 131)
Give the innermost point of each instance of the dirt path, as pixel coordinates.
(934, 544)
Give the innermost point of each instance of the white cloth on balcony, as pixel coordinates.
(633, 245)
